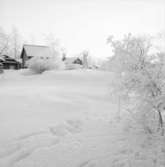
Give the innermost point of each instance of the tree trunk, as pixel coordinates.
(161, 124)
(119, 108)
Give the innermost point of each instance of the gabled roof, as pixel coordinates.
(36, 50)
(7, 59)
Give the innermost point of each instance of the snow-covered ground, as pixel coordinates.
(67, 119)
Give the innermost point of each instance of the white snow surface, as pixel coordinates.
(67, 119)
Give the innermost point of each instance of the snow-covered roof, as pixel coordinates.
(37, 50)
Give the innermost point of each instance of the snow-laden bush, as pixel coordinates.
(140, 78)
(40, 64)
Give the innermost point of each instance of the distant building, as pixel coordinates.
(80, 61)
(29, 51)
(9, 62)
(73, 62)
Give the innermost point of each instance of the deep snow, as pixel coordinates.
(67, 119)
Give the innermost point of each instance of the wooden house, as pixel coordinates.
(8, 62)
(29, 51)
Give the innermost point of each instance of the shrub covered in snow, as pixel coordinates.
(41, 64)
(141, 80)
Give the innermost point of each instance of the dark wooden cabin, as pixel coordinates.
(9, 62)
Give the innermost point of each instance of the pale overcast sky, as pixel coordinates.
(82, 24)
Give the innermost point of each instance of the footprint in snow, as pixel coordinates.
(25, 145)
(59, 130)
(87, 164)
(74, 126)
(9, 149)
(33, 134)
(21, 155)
(71, 126)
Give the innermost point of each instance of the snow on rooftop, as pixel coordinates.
(37, 50)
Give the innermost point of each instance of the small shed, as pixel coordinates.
(29, 51)
(9, 62)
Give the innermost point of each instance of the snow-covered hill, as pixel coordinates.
(67, 119)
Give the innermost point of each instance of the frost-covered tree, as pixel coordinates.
(85, 55)
(10, 43)
(53, 43)
(15, 43)
(4, 42)
(140, 79)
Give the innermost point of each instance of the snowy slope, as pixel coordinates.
(66, 119)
